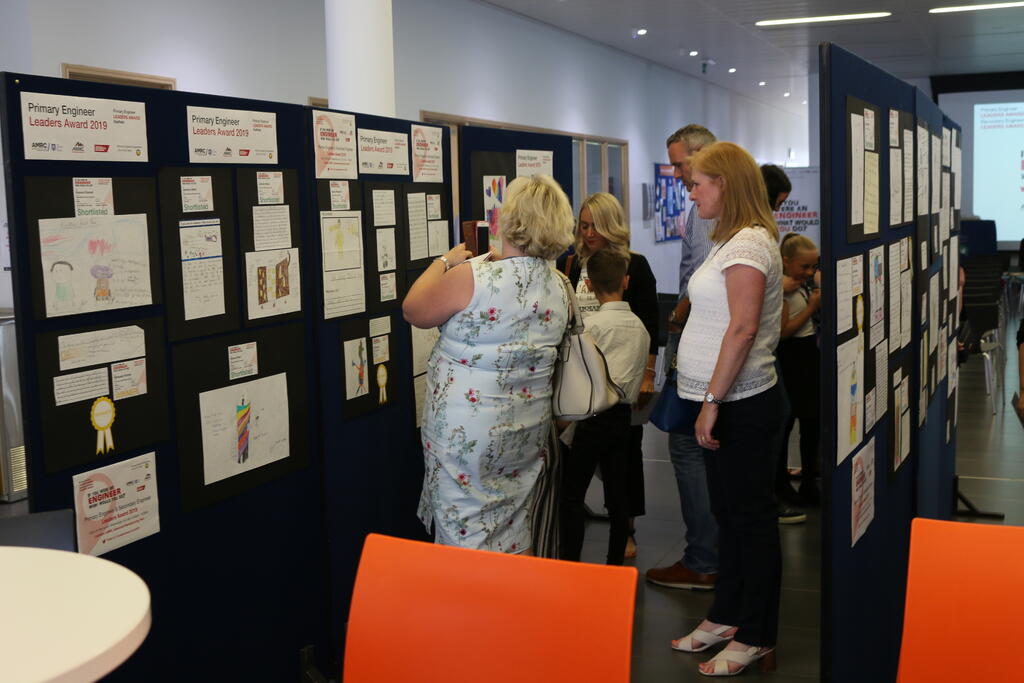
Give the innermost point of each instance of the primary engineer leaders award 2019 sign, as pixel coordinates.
(231, 136)
(61, 127)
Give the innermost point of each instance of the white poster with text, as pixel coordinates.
(231, 136)
(384, 152)
(116, 505)
(61, 127)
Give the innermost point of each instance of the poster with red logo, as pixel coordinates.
(427, 166)
(231, 136)
(382, 151)
(116, 505)
(334, 144)
(61, 127)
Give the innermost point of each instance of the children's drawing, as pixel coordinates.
(94, 263)
(342, 235)
(242, 412)
(244, 426)
(272, 282)
(356, 364)
(281, 288)
(494, 197)
(63, 289)
(103, 275)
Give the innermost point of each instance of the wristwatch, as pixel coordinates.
(710, 398)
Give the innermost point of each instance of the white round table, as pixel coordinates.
(66, 616)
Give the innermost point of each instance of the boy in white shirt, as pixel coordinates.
(604, 438)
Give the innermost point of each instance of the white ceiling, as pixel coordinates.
(910, 44)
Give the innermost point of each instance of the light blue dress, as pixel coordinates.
(488, 406)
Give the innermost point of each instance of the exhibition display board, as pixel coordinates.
(214, 371)
(890, 216)
(491, 158)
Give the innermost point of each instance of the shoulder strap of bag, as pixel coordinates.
(575, 323)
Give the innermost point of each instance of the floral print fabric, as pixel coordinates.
(488, 406)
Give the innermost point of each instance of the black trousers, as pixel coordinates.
(740, 483)
(810, 432)
(799, 359)
(635, 472)
(600, 440)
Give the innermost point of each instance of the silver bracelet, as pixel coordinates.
(444, 260)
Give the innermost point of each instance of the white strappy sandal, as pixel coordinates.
(765, 657)
(706, 638)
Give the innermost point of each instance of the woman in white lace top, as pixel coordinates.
(726, 368)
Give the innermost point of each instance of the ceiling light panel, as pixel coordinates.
(823, 19)
(975, 8)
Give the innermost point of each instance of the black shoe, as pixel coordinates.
(787, 516)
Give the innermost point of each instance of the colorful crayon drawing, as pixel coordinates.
(63, 287)
(244, 425)
(94, 263)
(355, 368)
(494, 198)
(242, 414)
(103, 275)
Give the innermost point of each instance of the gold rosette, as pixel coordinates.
(102, 417)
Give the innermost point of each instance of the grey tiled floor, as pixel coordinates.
(664, 613)
(991, 469)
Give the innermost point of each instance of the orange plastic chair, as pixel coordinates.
(965, 598)
(423, 612)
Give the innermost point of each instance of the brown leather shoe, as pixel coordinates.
(680, 576)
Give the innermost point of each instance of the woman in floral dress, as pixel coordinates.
(487, 413)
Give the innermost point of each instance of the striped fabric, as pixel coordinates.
(544, 507)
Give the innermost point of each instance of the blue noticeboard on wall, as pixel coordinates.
(670, 204)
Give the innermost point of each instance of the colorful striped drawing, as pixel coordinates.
(242, 413)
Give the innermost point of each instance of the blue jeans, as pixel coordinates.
(701, 553)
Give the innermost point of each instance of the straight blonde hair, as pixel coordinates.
(609, 221)
(743, 189)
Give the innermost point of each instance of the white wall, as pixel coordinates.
(456, 56)
(261, 49)
(472, 59)
(15, 55)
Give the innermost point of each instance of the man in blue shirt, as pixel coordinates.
(698, 568)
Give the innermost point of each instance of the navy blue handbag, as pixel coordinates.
(671, 413)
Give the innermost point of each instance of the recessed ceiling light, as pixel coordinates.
(732, 69)
(804, 102)
(641, 32)
(971, 8)
(760, 83)
(815, 20)
(694, 53)
(785, 94)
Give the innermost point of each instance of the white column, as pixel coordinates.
(360, 56)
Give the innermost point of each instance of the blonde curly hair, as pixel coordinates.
(536, 217)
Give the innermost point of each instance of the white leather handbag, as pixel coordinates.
(583, 386)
